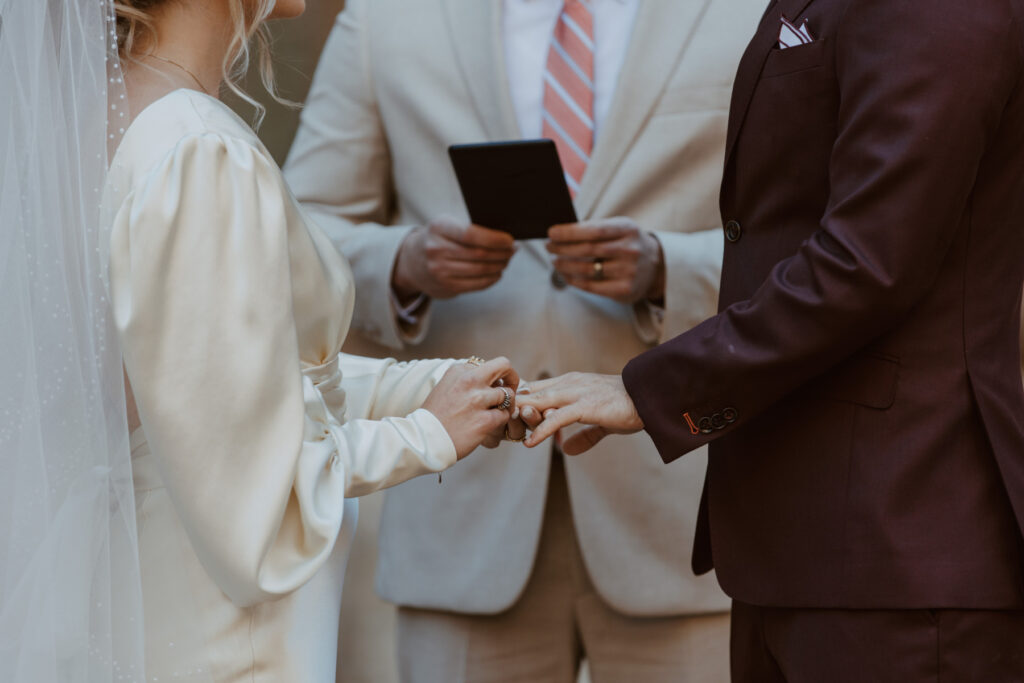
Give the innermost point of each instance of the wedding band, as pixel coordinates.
(508, 437)
(507, 403)
(598, 269)
(475, 360)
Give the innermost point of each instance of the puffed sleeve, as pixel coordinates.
(256, 462)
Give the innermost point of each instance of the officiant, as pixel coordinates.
(512, 556)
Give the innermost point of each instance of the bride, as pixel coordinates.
(222, 290)
(249, 427)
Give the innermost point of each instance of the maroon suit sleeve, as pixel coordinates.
(922, 84)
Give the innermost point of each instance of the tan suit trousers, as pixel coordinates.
(557, 622)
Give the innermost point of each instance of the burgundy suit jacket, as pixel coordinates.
(860, 388)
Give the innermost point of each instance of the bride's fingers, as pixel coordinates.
(510, 379)
(497, 368)
(495, 421)
(493, 397)
(584, 440)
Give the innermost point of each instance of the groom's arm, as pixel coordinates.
(915, 116)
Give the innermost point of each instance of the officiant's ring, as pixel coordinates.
(507, 403)
(598, 269)
(475, 360)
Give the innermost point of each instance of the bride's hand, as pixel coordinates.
(467, 401)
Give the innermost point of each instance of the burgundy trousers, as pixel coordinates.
(781, 645)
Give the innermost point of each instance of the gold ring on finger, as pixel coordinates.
(475, 360)
(598, 269)
(508, 437)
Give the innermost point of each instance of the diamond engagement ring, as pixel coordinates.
(475, 360)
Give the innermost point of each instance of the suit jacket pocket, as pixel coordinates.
(867, 379)
(685, 98)
(791, 60)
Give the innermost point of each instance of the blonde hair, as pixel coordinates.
(136, 36)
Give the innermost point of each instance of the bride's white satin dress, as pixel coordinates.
(232, 309)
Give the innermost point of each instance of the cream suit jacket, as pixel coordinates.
(398, 82)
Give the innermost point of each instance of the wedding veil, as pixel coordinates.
(70, 598)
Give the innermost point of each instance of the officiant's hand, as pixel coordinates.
(448, 257)
(599, 401)
(470, 402)
(613, 258)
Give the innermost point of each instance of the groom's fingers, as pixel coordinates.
(530, 415)
(550, 393)
(542, 384)
(553, 421)
(584, 440)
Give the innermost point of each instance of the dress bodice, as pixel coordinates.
(231, 309)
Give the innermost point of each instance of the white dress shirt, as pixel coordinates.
(527, 28)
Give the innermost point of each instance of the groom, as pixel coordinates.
(859, 388)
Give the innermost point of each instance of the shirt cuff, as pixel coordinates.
(649, 320)
(410, 313)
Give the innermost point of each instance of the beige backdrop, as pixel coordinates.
(297, 45)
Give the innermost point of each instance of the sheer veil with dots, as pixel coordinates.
(70, 597)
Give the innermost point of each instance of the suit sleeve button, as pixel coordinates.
(718, 421)
(730, 415)
(705, 425)
(733, 231)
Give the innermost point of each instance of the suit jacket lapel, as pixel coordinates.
(650, 61)
(475, 32)
(749, 71)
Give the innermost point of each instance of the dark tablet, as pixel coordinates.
(518, 186)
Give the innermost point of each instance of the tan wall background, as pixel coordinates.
(296, 48)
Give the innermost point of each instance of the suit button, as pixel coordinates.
(705, 425)
(733, 231)
(717, 421)
(730, 415)
(557, 281)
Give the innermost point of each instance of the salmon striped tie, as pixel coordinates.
(569, 91)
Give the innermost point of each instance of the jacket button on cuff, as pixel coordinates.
(705, 426)
(733, 231)
(557, 281)
(730, 415)
(718, 421)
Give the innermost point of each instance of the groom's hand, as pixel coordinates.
(448, 257)
(600, 401)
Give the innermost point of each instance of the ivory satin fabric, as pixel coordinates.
(232, 310)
